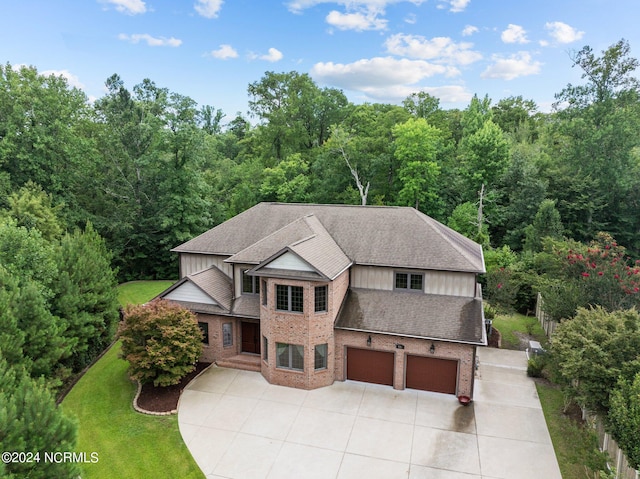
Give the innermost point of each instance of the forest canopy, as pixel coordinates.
(150, 169)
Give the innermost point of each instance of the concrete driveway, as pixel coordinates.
(238, 426)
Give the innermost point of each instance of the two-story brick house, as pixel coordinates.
(310, 294)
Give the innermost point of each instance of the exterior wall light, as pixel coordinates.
(369, 341)
(432, 349)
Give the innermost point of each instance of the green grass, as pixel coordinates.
(137, 292)
(129, 444)
(574, 444)
(508, 325)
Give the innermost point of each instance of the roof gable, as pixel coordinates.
(189, 292)
(290, 261)
(304, 245)
(209, 286)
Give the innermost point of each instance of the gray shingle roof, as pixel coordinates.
(449, 318)
(214, 283)
(307, 238)
(373, 235)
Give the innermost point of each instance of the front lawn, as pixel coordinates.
(129, 444)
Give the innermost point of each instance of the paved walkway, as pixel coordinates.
(238, 426)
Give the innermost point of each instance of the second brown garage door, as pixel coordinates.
(432, 374)
(370, 366)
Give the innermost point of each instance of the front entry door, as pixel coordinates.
(251, 338)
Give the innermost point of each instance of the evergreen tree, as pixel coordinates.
(30, 421)
(85, 295)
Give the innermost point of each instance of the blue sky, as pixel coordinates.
(374, 50)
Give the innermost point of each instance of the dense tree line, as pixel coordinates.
(150, 168)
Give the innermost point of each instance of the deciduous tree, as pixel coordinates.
(592, 351)
(161, 340)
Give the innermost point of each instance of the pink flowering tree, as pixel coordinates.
(598, 274)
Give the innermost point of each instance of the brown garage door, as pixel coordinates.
(432, 374)
(370, 366)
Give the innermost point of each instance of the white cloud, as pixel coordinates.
(208, 8)
(378, 72)
(455, 6)
(359, 15)
(358, 21)
(150, 40)
(563, 33)
(274, 55)
(72, 79)
(469, 30)
(411, 19)
(130, 7)
(297, 6)
(517, 65)
(514, 34)
(388, 79)
(439, 49)
(224, 52)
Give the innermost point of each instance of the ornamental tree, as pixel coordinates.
(161, 340)
(600, 274)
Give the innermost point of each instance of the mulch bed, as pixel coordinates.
(164, 399)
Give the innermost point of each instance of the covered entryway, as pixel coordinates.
(250, 337)
(370, 366)
(432, 374)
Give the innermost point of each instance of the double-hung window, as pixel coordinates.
(250, 284)
(204, 327)
(320, 299)
(289, 298)
(227, 334)
(290, 356)
(265, 349)
(320, 357)
(264, 292)
(409, 281)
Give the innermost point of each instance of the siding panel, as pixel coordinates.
(190, 293)
(192, 263)
(436, 282)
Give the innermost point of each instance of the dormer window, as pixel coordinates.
(409, 281)
(250, 284)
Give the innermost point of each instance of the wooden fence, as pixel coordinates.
(618, 460)
(546, 322)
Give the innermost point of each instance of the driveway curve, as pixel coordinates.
(237, 426)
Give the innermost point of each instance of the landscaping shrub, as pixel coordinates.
(161, 340)
(536, 366)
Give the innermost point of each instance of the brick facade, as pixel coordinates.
(214, 350)
(307, 329)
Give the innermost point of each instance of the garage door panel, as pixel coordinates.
(370, 366)
(431, 374)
